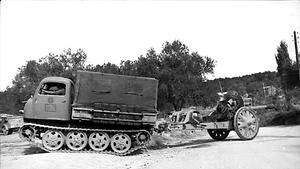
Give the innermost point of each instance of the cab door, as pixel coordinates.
(48, 105)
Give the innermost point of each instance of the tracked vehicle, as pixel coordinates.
(100, 113)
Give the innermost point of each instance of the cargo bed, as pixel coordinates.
(118, 99)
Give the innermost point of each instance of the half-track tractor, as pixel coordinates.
(103, 113)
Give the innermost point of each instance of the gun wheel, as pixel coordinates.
(76, 140)
(53, 140)
(99, 141)
(218, 134)
(246, 123)
(5, 130)
(120, 143)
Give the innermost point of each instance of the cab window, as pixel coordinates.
(51, 88)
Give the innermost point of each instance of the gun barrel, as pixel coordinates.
(269, 106)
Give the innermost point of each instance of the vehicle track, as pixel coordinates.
(41, 128)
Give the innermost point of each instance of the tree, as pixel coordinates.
(180, 72)
(286, 69)
(149, 66)
(128, 68)
(105, 68)
(30, 75)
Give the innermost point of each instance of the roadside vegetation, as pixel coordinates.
(182, 76)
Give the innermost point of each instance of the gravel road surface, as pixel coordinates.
(273, 148)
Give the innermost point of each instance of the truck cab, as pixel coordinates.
(51, 100)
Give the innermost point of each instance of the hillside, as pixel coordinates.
(250, 85)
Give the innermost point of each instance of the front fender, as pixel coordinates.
(28, 109)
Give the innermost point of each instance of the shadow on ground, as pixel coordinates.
(37, 150)
(160, 142)
(33, 150)
(138, 152)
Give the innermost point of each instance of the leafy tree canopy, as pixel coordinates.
(287, 70)
(181, 74)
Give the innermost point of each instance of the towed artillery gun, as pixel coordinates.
(10, 123)
(100, 113)
(230, 115)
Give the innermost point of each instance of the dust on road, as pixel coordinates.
(274, 147)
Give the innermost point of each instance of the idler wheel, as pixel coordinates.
(143, 137)
(27, 132)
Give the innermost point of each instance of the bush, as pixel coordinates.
(272, 117)
(289, 118)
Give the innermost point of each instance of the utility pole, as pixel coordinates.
(296, 51)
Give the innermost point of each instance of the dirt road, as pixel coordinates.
(273, 148)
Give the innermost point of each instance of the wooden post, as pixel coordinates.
(296, 51)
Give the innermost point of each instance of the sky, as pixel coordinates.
(242, 36)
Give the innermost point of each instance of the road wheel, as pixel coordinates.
(246, 123)
(120, 143)
(53, 140)
(76, 140)
(218, 134)
(5, 130)
(99, 141)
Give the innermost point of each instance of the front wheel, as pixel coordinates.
(218, 134)
(246, 123)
